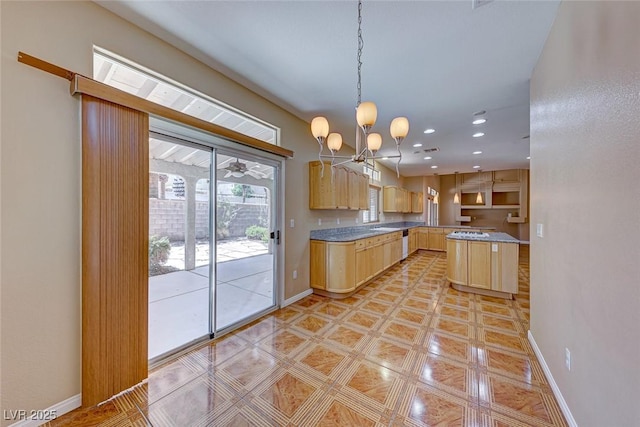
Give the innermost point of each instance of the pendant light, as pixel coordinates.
(367, 143)
(479, 195)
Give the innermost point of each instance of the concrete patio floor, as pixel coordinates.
(179, 301)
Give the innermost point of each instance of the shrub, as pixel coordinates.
(256, 232)
(159, 249)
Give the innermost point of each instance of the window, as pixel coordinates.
(371, 215)
(129, 77)
(374, 174)
(432, 206)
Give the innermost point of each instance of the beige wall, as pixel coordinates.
(585, 149)
(40, 222)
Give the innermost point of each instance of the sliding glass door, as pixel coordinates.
(246, 237)
(212, 240)
(179, 243)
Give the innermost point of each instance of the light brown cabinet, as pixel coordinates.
(339, 268)
(436, 239)
(413, 240)
(485, 267)
(416, 202)
(363, 191)
(423, 238)
(337, 188)
(397, 199)
(506, 190)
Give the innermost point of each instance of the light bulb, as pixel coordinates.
(456, 199)
(334, 141)
(366, 114)
(399, 128)
(320, 127)
(479, 198)
(374, 142)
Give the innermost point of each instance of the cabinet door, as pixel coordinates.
(505, 268)
(341, 263)
(436, 239)
(318, 278)
(354, 190)
(387, 249)
(390, 199)
(363, 184)
(321, 186)
(423, 239)
(457, 261)
(479, 264)
(362, 266)
(416, 202)
(376, 260)
(341, 185)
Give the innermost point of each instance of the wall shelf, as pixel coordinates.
(516, 220)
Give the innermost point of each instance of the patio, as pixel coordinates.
(179, 301)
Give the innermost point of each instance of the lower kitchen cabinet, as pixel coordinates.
(483, 266)
(338, 269)
(436, 239)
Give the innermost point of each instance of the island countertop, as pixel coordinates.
(483, 236)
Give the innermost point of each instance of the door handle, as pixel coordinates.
(276, 236)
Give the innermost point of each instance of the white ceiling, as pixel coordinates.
(436, 62)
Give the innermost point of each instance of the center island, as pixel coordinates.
(483, 262)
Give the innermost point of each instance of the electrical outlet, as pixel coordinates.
(356, 220)
(292, 223)
(295, 274)
(567, 359)
(319, 221)
(338, 221)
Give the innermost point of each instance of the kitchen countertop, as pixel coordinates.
(350, 234)
(484, 237)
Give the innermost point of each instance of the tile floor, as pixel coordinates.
(405, 351)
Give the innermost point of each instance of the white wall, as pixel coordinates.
(585, 150)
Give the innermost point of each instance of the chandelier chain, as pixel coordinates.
(360, 46)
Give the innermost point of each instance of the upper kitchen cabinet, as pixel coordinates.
(416, 202)
(397, 199)
(505, 189)
(336, 188)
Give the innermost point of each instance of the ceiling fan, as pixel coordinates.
(238, 169)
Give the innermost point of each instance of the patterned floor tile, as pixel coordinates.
(406, 350)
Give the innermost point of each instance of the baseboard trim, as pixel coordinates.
(59, 409)
(296, 298)
(556, 390)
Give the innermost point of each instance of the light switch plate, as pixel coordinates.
(292, 223)
(494, 247)
(540, 230)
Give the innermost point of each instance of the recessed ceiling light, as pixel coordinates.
(417, 145)
(476, 167)
(479, 121)
(385, 158)
(477, 152)
(478, 134)
(434, 167)
(428, 158)
(528, 157)
(429, 130)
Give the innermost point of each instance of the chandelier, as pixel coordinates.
(367, 143)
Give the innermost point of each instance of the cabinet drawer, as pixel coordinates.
(361, 244)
